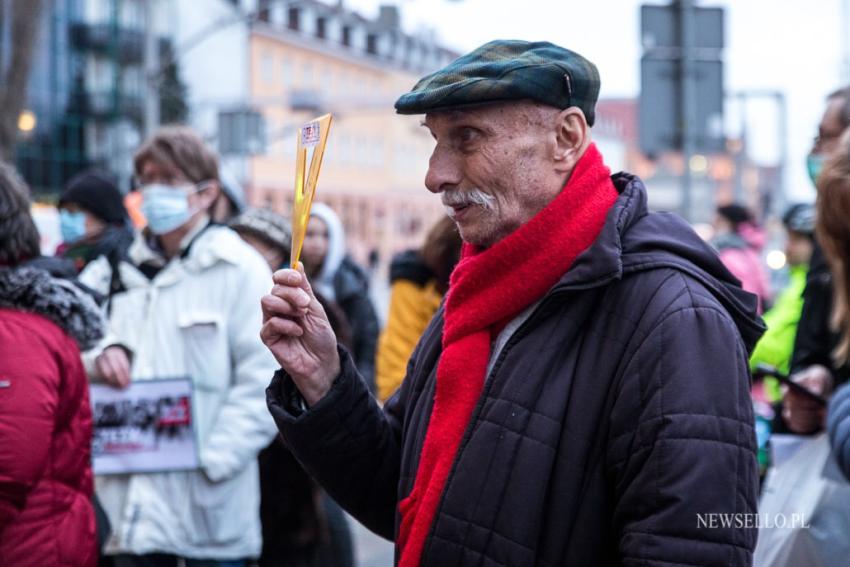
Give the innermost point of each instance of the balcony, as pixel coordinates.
(113, 104)
(128, 46)
(306, 100)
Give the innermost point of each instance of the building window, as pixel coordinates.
(377, 157)
(99, 74)
(133, 81)
(346, 35)
(327, 79)
(286, 73)
(343, 149)
(321, 28)
(266, 71)
(294, 21)
(263, 11)
(97, 11)
(307, 75)
(132, 15)
(372, 44)
(342, 85)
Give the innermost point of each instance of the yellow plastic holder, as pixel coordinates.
(312, 138)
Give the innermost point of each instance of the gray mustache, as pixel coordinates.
(458, 198)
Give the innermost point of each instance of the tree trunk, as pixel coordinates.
(23, 17)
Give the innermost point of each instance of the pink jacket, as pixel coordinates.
(742, 257)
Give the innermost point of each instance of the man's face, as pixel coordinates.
(722, 225)
(492, 166)
(798, 248)
(830, 128)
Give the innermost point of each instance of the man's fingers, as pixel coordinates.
(799, 399)
(114, 367)
(104, 366)
(293, 278)
(122, 369)
(111, 375)
(294, 295)
(814, 383)
(278, 327)
(286, 327)
(305, 283)
(274, 305)
(287, 277)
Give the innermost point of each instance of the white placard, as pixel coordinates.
(147, 427)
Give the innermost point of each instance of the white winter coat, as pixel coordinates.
(200, 316)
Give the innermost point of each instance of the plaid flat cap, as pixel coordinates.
(508, 70)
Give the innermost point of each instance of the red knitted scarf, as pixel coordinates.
(488, 288)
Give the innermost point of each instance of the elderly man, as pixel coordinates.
(582, 398)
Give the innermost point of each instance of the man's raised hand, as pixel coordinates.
(297, 332)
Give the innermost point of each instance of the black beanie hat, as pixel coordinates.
(96, 192)
(736, 214)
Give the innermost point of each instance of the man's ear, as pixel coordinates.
(572, 137)
(209, 195)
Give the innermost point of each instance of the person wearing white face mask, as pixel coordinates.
(185, 304)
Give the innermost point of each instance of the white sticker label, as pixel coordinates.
(310, 134)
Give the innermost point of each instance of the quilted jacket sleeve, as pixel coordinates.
(682, 448)
(346, 442)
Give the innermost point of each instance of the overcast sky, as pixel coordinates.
(789, 45)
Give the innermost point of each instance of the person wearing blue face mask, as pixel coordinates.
(836, 118)
(93, 219)
(812, 363)
(184, 304)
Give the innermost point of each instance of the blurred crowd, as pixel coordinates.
(117, 304)
(179, 297)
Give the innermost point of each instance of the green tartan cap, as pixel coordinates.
(504, 70)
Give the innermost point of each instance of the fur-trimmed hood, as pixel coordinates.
(35, 291)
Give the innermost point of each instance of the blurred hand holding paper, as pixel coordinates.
(312, 138)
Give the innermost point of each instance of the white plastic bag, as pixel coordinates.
(806, 490)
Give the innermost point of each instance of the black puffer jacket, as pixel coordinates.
(351, 287)
(615, 419)
(815, 338)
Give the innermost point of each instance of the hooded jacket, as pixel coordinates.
(740, 252)
(414, 299)
(197, 315)
(345, 283)
(615, 419)
(46, 515)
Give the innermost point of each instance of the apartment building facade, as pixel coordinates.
(308, 58)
